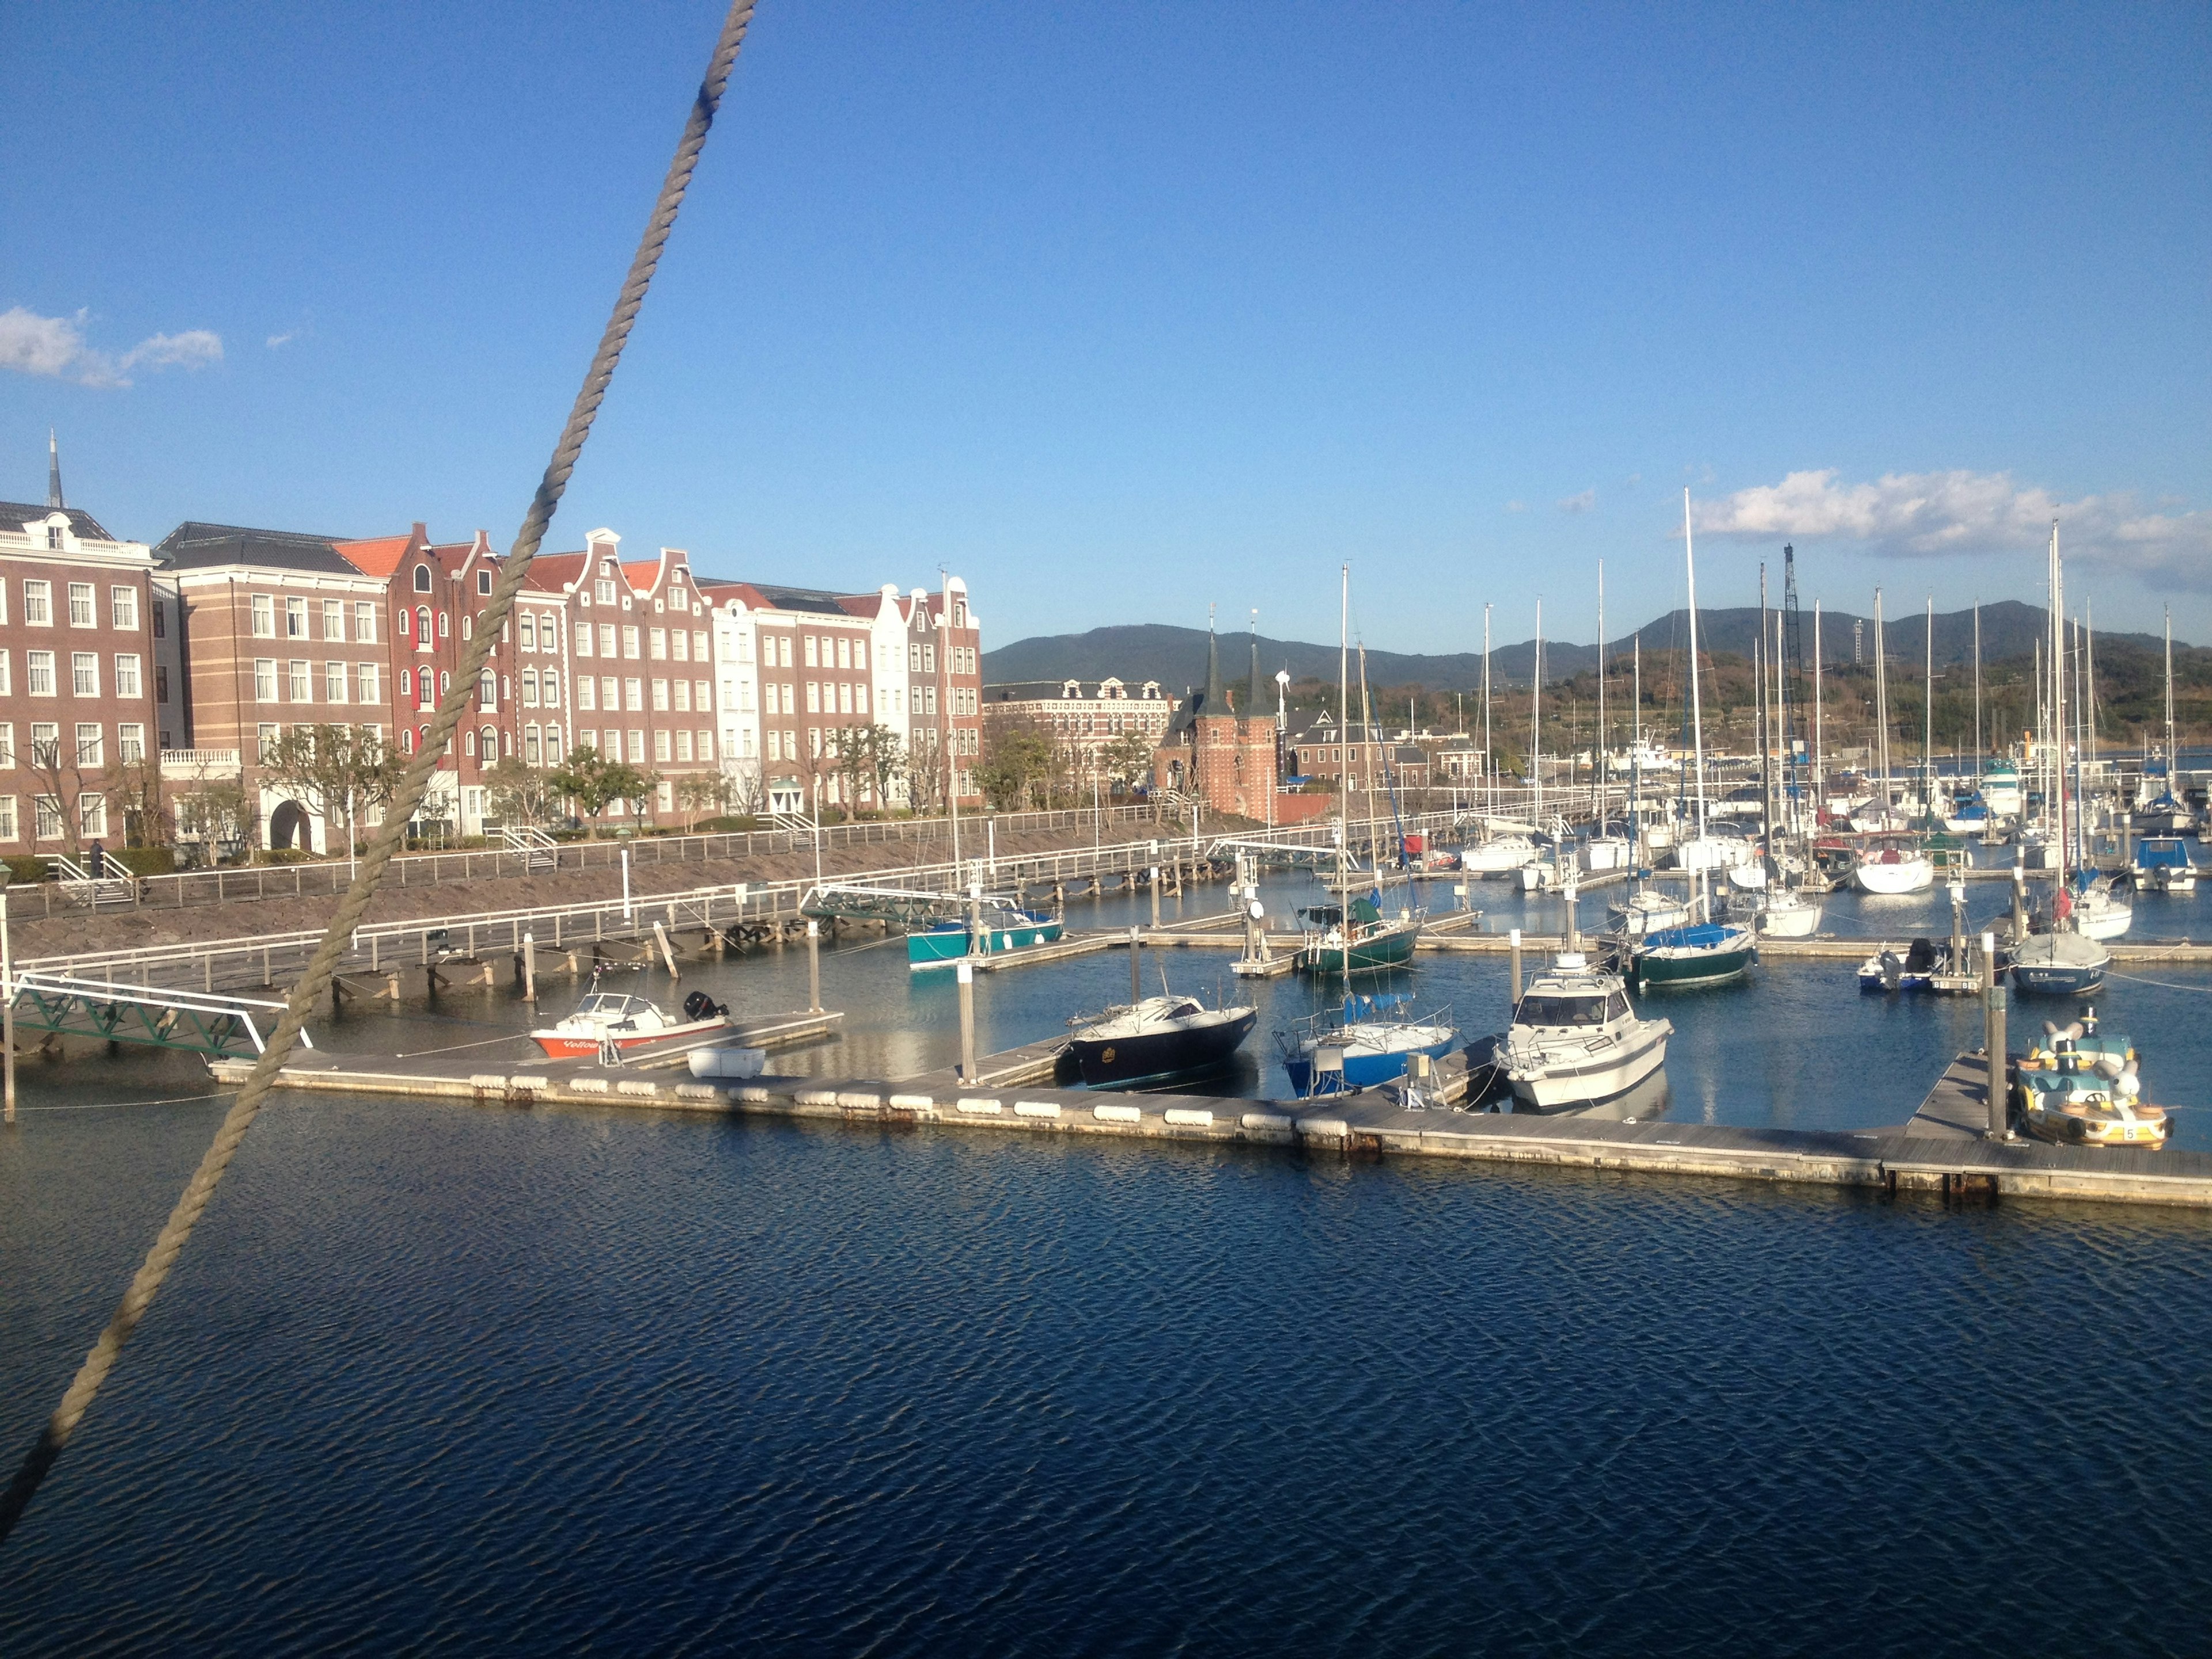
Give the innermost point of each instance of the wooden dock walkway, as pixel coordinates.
(1957, 1108)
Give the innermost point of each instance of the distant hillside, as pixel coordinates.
(1176, 656)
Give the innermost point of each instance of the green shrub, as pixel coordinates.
(284, 855)
(729, 826)
(27, 868)
(146, 860)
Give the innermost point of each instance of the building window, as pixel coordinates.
(122, 608)
(606, 639)
(368, 681)
(80, 603)
(603, 590)
(661, 696)
(127, 683)
(264, 617)
(706, 746)
(813, 697)
(45, 743)
(483, 582)
(529, 631)
(92, 814)
(844, 699)
(583, 640)
(88, 744)
(406, 740)
(265, 680)
(660, 750)
(683, 745)
(265, 742)
(334, 686)
(487, 689)
(333, 619)
(637, 748)
(405, 628)
(682, 696)
(6, 688)
(530, 688)
(421, 579)
(552, 745)
(8, 830)
(40, 676)
(469, 744)
(422, 627)
(406, 684)
(681, 642)
(426, 695)
(635, 691)
(630, 644)
(811, 653)
(656, 644)
(39, 604)
(530, 750)
(861, 699)
(587, 698)
(84, 673)
(130, 743)
(445, 624)
(364, 621)
(552, 681)
(7, 745)
(46, 810)
(295, 619)
(302, 682)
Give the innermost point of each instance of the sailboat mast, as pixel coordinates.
(1597, 749)
(2056, 732)
(1489, 761)
(1820, 752)
(1697, 705)
(1536, 723)
(1343, 722)
(2169, 700)
(1765, 721)
(1927, 715)
(1978, 695)
(1881, 706)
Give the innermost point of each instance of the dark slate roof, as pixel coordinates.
(801, 598)
(14, 515)
(196, 546)
(1055, 690)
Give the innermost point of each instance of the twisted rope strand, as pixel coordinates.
(414, 784)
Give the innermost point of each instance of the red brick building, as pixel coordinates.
(76, 691)
(1224, 755)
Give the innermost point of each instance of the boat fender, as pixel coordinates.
(700, 1006)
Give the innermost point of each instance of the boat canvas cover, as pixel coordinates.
(1692, 936)
(2161, 854)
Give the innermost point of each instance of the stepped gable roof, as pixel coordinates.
(14, 515)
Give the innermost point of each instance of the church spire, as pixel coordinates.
(53, 470)
(1217, 700)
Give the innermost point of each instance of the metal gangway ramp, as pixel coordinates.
(221, 1027)
(898, 904)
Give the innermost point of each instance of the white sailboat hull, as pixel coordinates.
(1792, 922)
(1912, 875)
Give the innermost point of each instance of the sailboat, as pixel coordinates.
(1351, 935)
(1890, 864)
(2165, 813)
(2062, 961)
(1700, 952)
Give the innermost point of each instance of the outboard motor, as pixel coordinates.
(700, 1006)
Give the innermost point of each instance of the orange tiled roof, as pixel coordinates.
(379, 557)
(553, 571)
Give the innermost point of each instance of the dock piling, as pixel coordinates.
(1152, 880)
(1136, 973)
(668, 951)
(2019, 904)
(1514, 948)
(814, 966)
(530, 968)
(1996, 1090)
(966, 972)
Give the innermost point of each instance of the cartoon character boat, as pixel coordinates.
(2079, 1086)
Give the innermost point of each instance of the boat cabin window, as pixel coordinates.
(1560, 1010)
(1616, 1005)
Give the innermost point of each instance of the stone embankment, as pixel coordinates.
(130, 929)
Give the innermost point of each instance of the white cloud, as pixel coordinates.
(283, 339)
(1581, 503)
(55, 347)
(1928, 514)
(1516, 506)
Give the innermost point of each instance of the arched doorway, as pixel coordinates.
(289, 825)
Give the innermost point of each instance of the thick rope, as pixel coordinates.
(405, 800)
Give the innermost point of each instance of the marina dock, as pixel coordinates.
(1938, 1152)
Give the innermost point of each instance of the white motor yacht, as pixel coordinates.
(1499, 856)
(1576, 1040)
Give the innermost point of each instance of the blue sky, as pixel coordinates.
(1120, 311)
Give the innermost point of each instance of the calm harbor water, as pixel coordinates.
(441, 1376)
